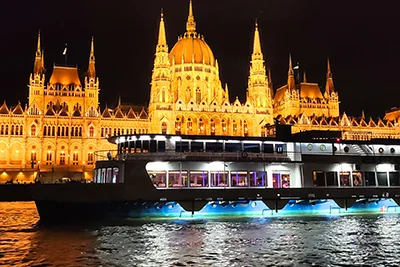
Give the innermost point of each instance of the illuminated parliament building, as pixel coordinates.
(57, 133)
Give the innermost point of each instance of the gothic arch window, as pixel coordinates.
(212, 126)
(235, 127)
(189, 125)
(92, 112)
(164, 128)
(198, 95)
(6, 129)
(2, 129)
(201, 126)
(163, 95)
(224, 128)
(12, 129)
(246, 129)
(102, 132)
(178, 126)
(33, 129)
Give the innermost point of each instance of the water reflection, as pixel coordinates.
(314, 241)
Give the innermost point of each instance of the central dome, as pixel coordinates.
(191, 48)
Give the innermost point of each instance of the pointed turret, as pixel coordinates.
(329, 88)
(38, 66)
(160, 80)
(92, 67)
(162, 39)
(291, 83)
(226, 92)
(257, 43)
(191, 23)
(304, 77)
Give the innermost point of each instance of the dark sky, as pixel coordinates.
(362, 39)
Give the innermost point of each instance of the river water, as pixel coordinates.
(372, 240)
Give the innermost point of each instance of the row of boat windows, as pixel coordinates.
(195, 179)
(355, 178)
(195, 146)
(107, 175)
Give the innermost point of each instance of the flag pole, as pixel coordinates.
(65, 54)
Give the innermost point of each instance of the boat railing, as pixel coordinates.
(104, 155)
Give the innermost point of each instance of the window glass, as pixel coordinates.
(159, 178)
(319, 178)
(382, 178)
(258, 178)
(177, 179)
(358, 178)
(198, 179)
(344, 178)
(219, 178)
(370, 179)
(239, 178)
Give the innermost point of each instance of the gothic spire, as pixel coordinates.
(191, 23)
(38, 49)
(38, 67)
(291, 83)
(162, 39)
(92, 67)
(257, 43)
(304, 77)
(329, 87)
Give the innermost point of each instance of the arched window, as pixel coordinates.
(246, 129)
(178, 126)
(33, 129)
(224, 128)
(212, 126)
(164, 128)
(201, 126)
(163, 95)
(91, 131)
(234, 127)
(2, 129)
(189, 125)
(198, 95)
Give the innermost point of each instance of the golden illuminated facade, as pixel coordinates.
(60, 129)
(58, 132)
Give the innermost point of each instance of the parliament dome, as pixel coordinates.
(191, 48)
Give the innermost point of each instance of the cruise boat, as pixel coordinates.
(310, 173)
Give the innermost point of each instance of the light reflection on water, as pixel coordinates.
(298, 241)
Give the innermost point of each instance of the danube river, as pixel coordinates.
(372, 240)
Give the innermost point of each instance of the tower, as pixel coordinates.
(37, 80)
(160, 80)
(161, 98)
(258, 91)
(330, 94)
(91, 83)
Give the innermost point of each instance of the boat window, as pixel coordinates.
(239, 178)
(254, 148)
(285, 180)
(382, 178)
(103, 175)
(198, 178)
(177, 179)
(109, 175)
(115, 177)
(358, 178)
(319, 178)
(197, 147)
(233, 147)
(98, 176)
(161, 146)
(153, 146)
(138, 146)
(158, 178)
(145, 146)
(181, 146)
(280, 148)
(268, 148)
(370, 179)
(331, 179)
(258, 178)
(344, 178)
(394, 178)
(214, 147)
(219, 178)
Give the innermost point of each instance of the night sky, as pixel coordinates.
(361, 39)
